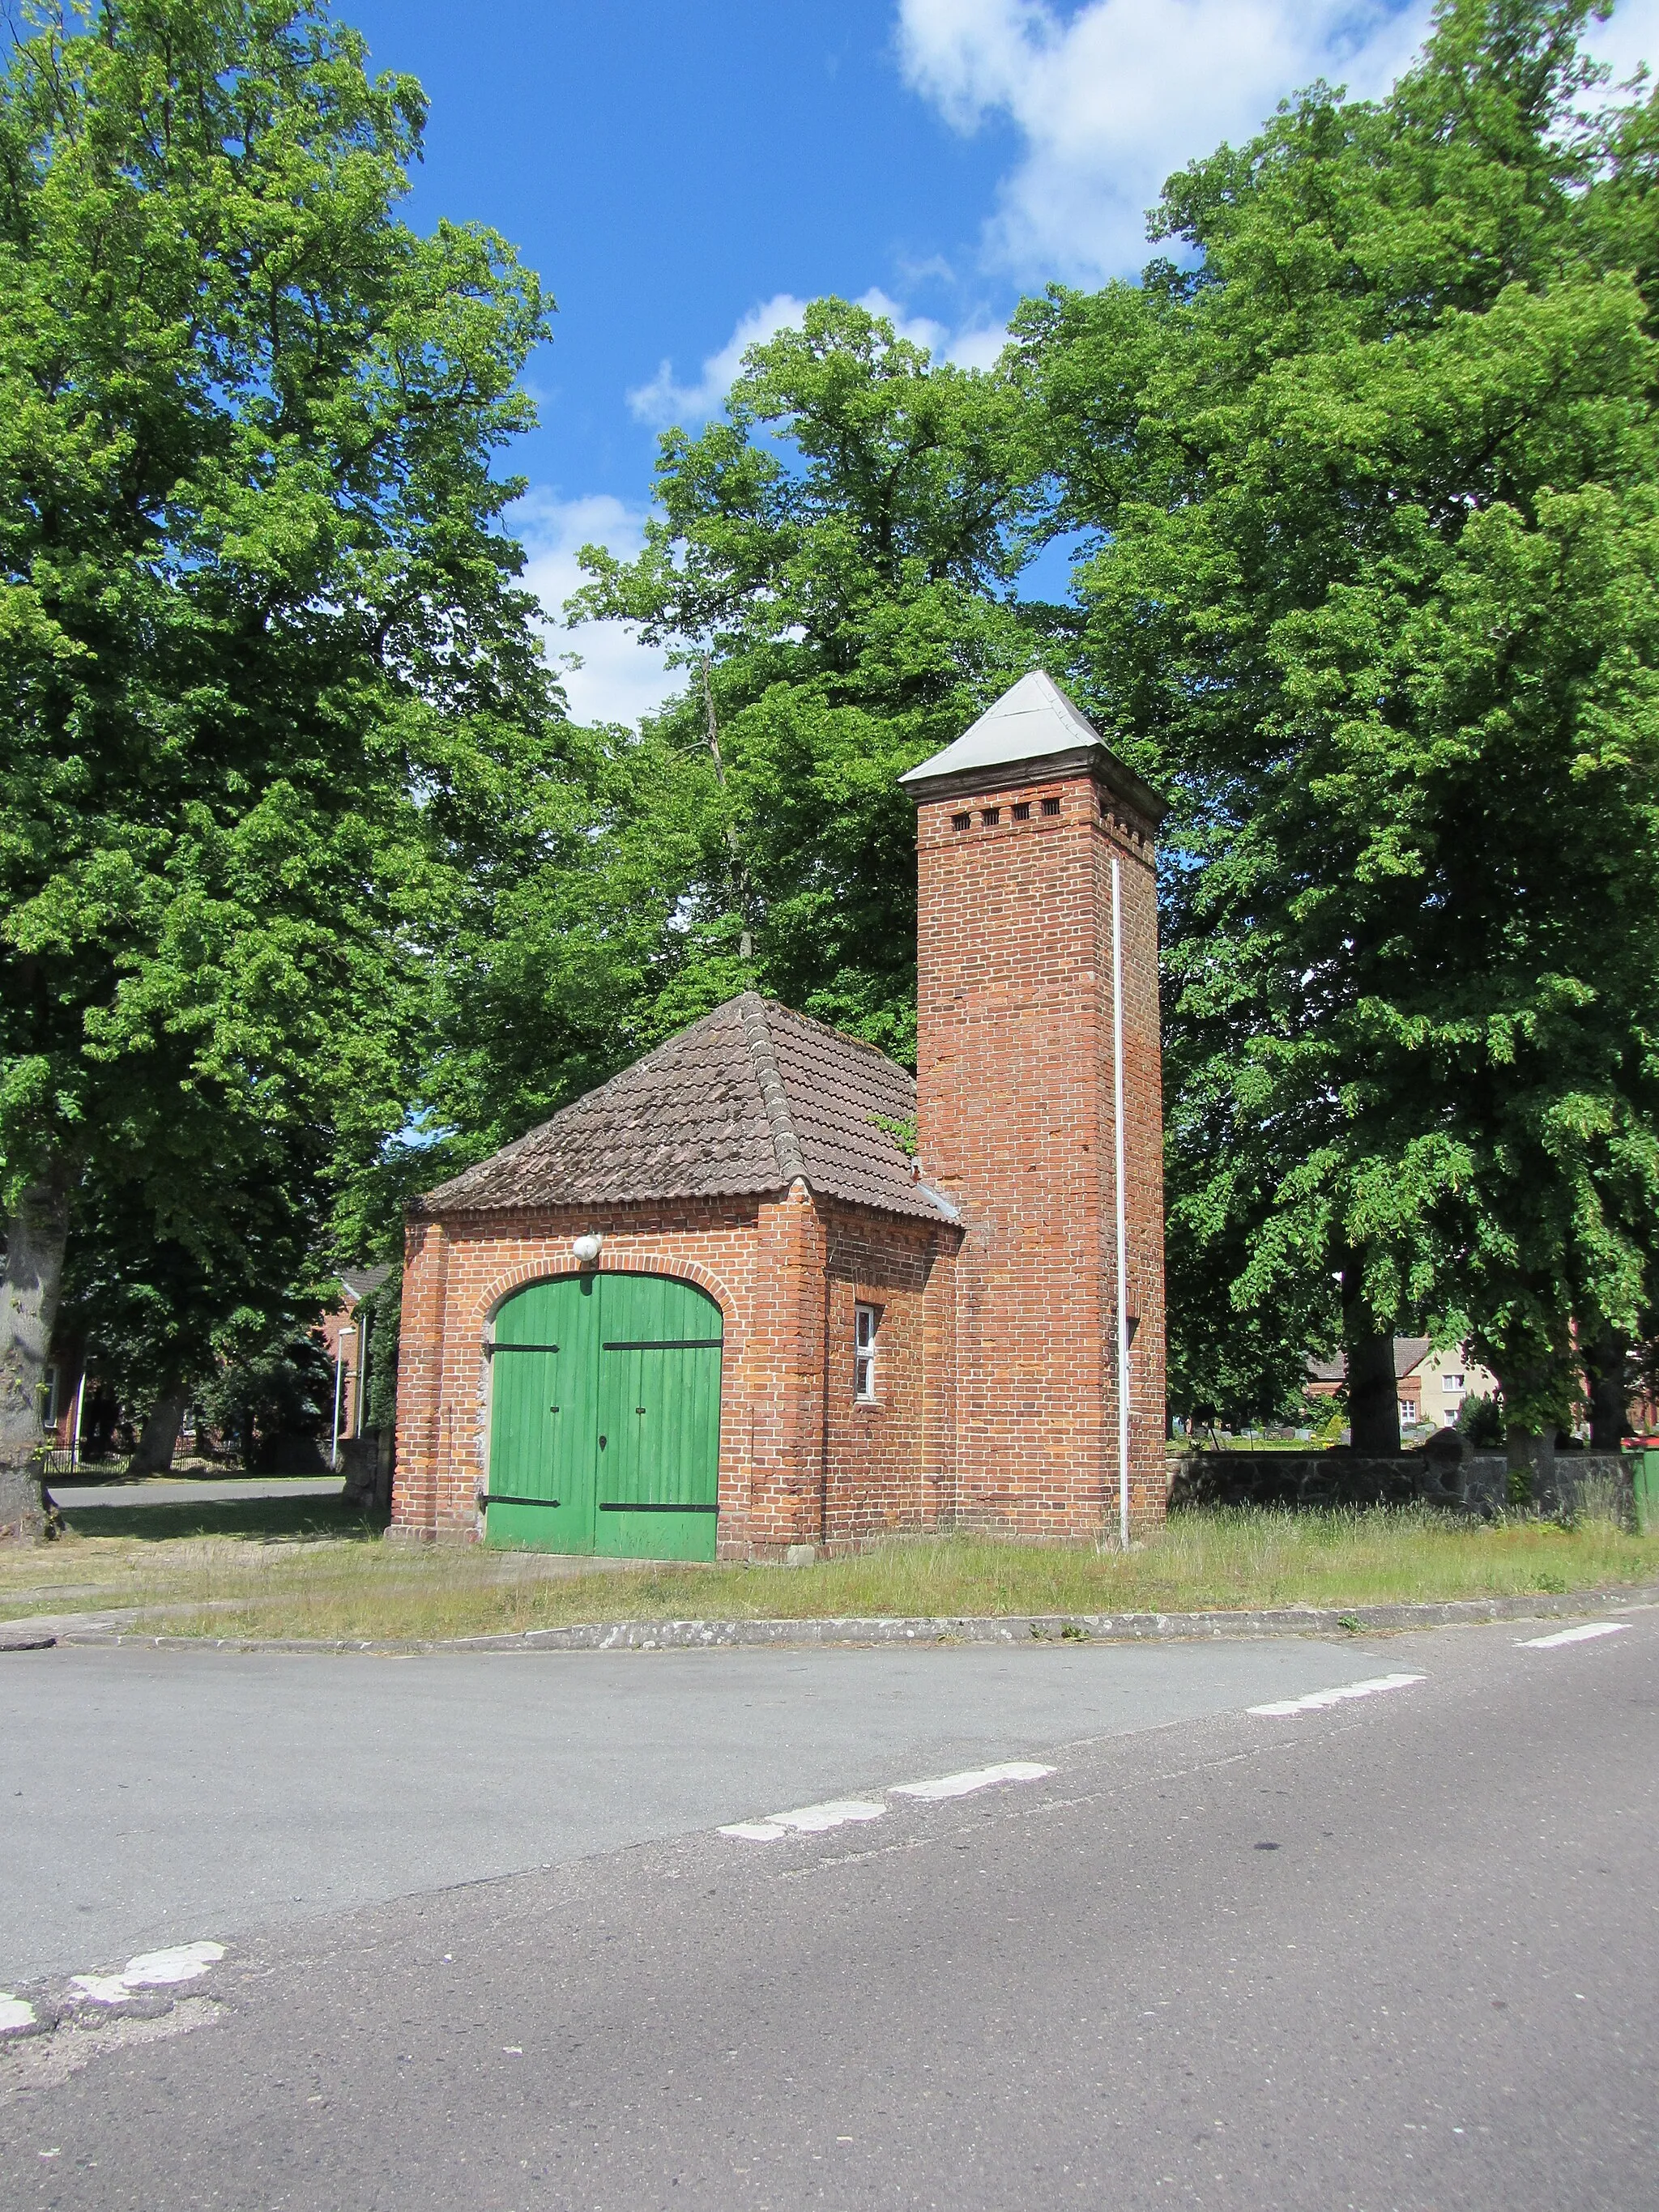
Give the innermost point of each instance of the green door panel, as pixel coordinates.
(605, 1418)
(659, 1417)
(542, 1425)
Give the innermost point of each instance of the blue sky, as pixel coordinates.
(683, 173)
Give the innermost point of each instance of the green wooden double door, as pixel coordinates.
(605, 1427)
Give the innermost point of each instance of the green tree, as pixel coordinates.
(272, 1394)
(1373, 469)
(833, 567)
(564, 950)
(160, 1307)
(265, 662)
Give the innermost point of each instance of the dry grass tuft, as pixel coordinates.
(331, 1581)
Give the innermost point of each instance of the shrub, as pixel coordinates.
(1480, 1422)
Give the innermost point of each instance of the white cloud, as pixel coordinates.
(662, 401)
(978, 349)
(1113, 97)
(1631, 37)
(619, 679)
(920, 329)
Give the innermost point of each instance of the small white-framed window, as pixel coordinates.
(867, 1321)
(1452, 1385)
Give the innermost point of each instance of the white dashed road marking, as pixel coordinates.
(1573, 1635)
(835, 1812)
(102, 1989)
(151, 1970)
(807, 1820)
(1317, 1698)
(976, 1777)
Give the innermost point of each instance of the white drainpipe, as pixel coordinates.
(339, 1364)
(1122, 1214)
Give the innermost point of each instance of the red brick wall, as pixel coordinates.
(1016, 1118)
(881, 1478)
(795, 1461)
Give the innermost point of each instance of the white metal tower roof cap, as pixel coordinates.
(1033, 718)
(1033, 723)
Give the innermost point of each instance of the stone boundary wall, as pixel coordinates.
(1479, 1484)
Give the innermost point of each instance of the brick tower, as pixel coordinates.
(1031, 838)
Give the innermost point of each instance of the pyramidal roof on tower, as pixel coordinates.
(1034, 729)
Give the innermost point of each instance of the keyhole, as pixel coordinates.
(603, 1442)
(639, 1409)
(552, 1409)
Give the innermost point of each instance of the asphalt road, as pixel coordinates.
(152, 1796)
(1398, 1951)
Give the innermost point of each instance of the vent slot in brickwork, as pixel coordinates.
(1051, 806)
(1022, 811)
(961, 821)
(990, 816)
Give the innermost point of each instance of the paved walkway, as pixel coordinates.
(67, 1496)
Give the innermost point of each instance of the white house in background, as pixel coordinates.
(1435, 1384)
(1431, 1385)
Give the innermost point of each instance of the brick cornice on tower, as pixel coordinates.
(1136, 800)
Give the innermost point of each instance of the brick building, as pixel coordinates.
(345, 1329)
(715, 1307)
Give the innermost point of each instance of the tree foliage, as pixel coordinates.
(264, 661)
(1372, 466)
(834, 565)
(296, 848)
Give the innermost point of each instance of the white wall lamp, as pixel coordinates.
(586, 1249)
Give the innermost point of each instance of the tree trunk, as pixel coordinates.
(1373, 1390)
(160, 1439)
(1609, 1393)
(36, 1234)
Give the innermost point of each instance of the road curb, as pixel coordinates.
(979, 1628)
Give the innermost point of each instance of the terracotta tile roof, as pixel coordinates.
(742, 1102)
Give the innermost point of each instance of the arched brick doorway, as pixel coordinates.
(605, 1417)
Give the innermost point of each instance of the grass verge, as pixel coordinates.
(307, 1568)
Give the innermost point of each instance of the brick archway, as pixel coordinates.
(632, 1263)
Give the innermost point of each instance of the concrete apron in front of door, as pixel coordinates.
(605, 1419)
